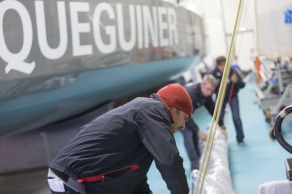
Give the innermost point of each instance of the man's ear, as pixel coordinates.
(173, 113)
(173, 110)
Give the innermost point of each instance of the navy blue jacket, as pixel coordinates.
(135, 133)
(238, 85)
(198, 100)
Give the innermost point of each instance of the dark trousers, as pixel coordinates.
(117, 184)
(191, 142)
(234, 106)
(68, 190)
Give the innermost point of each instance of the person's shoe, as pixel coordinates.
(240, 142)
(196, 167)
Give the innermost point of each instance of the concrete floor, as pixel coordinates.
(30, 182)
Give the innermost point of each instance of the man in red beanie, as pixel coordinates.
(114, 152)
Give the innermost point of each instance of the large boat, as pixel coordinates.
(64, 62)
(60, 59)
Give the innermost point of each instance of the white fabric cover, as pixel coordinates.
(276, 187)
(217, 179)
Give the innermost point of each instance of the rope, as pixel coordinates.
(218, 107)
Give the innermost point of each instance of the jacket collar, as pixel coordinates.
(156, 97)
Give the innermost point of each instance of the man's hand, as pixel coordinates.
(203, 136)
(234, 78)
(224, 132)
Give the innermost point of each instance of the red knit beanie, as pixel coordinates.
(174, 95)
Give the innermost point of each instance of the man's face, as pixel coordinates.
(207, 89)
(220, 66)
(180, 118)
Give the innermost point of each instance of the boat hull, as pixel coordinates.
(62, 59)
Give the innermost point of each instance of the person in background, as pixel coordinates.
(201, 95)
(235, 83)
(113, 153)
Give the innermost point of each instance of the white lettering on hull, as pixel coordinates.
(46, 50)
(130, 26)
(15, 61)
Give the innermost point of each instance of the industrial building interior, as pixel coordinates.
(260, 45)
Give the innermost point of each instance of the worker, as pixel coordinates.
(201, 95)
(113, 153)
(235, 83)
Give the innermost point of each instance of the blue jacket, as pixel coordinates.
(132, 134)
(198, 100)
